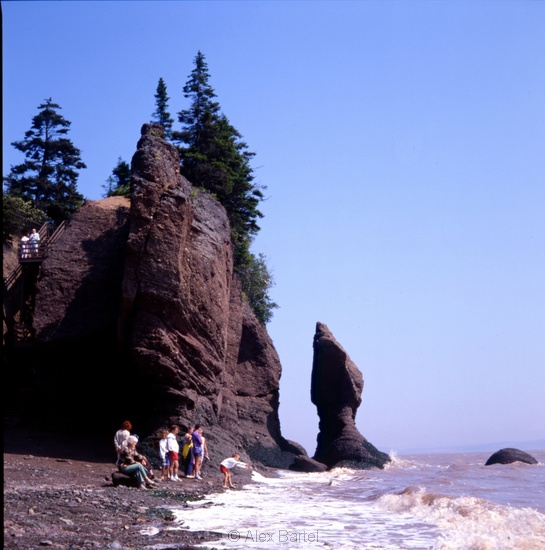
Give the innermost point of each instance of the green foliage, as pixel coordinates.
(200, 145)
(256, 283)
(48, 177)
(119, 181)
(161, 114)
(214, 158)
(18, 216)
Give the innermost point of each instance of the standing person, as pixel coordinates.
(173, 449)
(24, 245)
(204, 451)
(187, 456)
(204, 446)
(120, 437)
(163, 455)
(197, 450)
(227, 465)
(34, 242)
(131, 463)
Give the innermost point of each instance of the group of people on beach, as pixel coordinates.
(190, 460)
(187, 460)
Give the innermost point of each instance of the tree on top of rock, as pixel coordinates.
(48, 177)
(161, 114)
(200, 145)
(119, 181)
(214, 158)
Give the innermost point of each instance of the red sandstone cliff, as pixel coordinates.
(139, 315)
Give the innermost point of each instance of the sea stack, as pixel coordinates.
(336, 388)
(138, 309)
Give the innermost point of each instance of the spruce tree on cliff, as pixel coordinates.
(198, 137)
(119, 181)
(161, 114)
(48, 177)
(214, 157)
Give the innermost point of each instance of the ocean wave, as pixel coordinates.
(469, 522)
(398, 463)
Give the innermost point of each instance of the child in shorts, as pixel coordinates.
(227, 465)
(163, 455)
(173, 448)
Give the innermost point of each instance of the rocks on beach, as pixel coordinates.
(58, 493)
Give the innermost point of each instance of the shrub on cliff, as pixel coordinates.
(18, 216)
(256, 281)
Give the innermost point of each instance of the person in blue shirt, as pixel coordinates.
(197, 450)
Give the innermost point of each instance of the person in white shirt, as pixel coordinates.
(25, 245)
(163, 455)
(34, 242)
(173, 449)
(227, 465)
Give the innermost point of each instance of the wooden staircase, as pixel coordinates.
(20, 285)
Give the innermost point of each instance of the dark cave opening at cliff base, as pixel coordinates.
(73, 386)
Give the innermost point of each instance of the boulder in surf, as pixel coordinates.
(508, 456)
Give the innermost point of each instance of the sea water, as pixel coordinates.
(435, 501)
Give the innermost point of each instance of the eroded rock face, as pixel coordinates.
(74, 366)
(80, 283)
(146, 296)
(509, 455)
(336, 388)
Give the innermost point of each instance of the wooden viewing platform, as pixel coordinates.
(20, 285)
(32, 252)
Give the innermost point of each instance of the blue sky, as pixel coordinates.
(403, 149)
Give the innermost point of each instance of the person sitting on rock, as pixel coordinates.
(131, 464)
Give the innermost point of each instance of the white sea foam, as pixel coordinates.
(470, 522)
(302, 511)
(432, 502)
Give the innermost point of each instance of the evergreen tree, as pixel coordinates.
(48, 177)
(214, 157)
(119, 181)
(199, 134)
(161, 114)
(238, 194)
